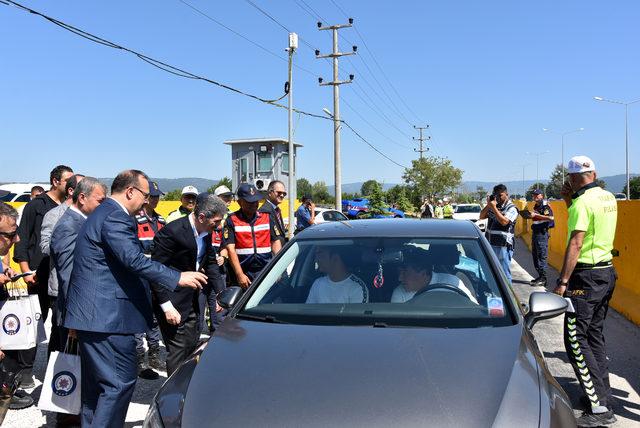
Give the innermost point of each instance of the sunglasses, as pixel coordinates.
(144, 194)
(9, 235)
(283, 194)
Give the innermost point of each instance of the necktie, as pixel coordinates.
(280, 221)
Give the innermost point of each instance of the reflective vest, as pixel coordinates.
(439, 212)
(147, 231)
(252, 241)
(447, 211)
(501, 235)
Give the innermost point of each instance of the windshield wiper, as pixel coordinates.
(263, 318)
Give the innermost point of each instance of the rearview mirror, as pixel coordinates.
(542, 306)
(229, 297)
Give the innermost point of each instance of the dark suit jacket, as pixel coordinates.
(62, 244)
(108, 291)
(175, 246)
(279, 225)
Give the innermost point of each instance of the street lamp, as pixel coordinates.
(626, 133)
(562, 156)
(537, 155)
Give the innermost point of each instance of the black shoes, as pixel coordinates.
(27, 382)
(155, 362)
(148, 374)
(20, 400)
(596, 419)
(539, 282)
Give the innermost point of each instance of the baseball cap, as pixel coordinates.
(445, 199)
(189, 190)
(154, 189)
(249, 193)
(580, 164)
(537, 192)
(222, 191)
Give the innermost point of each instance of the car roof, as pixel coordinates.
(468, 205)
(399, 227)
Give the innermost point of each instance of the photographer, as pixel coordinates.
(501, 215)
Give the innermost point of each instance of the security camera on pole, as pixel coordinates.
(336, 102)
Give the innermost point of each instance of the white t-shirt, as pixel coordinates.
(349, 290)
(401, 295)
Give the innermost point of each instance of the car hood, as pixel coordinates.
(262, 374)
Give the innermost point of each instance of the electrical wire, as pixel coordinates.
(184, 73)
(371, 125)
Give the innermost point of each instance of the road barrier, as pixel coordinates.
(626, 298)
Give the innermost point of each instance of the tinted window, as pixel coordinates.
(386, 281)
(461, 209)
(8, 197)
(24, 198)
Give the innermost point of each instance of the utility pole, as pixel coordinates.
(336, 102)
(421, 139)
(293, 45)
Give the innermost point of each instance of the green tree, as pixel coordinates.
(303, 187)
(400, 195)
(173, 195)
(347, 196)
(432, 175)
(554, 186)
(369, 186)
(634, 184)
(320, 192)
(534, 186)
(481, 193)
(465, 198)
(376, 201)
(225, 181)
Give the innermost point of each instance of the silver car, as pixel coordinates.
(373, 323)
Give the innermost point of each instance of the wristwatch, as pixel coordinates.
(560, 282)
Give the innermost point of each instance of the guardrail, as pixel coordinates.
(626, 298)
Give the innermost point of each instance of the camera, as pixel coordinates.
(492, 197)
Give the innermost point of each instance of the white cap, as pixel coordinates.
(445, 199)
(222, 190)
(439, 200)
(189, 190)
(579, 164)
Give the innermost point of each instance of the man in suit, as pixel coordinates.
(109, 299)
(275, 195)
(87, 196)
(184, 244)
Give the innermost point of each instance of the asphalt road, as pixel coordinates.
(623, 342)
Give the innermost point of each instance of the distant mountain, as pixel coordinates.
(169, 184)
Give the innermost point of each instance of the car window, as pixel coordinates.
(386, 281)
(339, 216)
(463, 209)
(328, 216)
(23, 198)
(8, 197)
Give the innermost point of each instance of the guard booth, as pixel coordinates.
(259, 161)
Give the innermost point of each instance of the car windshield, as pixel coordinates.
(8, 197)
(462, 209)
(381, 282)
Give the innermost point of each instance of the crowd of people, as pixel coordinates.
(114, 274)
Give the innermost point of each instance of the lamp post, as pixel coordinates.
(563, 134)
(626, 133)
(537, 155)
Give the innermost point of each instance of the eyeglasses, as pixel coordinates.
(282, 194)
(144, 194)
(9, 235)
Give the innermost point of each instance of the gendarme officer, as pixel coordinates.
(588, 279)
(542, 216)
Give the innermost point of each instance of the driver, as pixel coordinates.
(416, 273)
(338, 285)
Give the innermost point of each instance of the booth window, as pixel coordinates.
(285, 162)
(265, 163)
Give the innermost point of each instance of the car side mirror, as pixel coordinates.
(229, 297)
(542, 306)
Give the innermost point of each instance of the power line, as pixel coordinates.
(181, 72)
(372, 126)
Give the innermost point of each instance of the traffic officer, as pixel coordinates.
(249, 236)
(447, 210)
(588, 279)
(187, 204)
(502, 216)
(149, 223)
(542, 216)
(439, 210)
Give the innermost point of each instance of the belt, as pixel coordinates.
(593, 266)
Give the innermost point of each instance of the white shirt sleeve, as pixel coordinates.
(313, 294)
(512, 214)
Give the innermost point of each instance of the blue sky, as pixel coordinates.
(487, 77)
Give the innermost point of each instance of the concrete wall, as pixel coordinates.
(626, 298)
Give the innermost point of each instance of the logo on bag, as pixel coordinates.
(28, 320)
(37, 316)
(63, 383)
(11, 324)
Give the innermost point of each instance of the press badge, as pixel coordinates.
(495, 307)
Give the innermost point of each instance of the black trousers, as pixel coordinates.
(540, 252)
(589, 291)
(180, 340)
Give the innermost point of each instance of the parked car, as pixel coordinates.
(445, 357)
(470, 212)
(324, 215)
(18, 192)
(620, 196)
(359, 207)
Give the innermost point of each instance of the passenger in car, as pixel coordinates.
(339, 285)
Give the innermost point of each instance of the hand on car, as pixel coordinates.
(560, 289)
(192, 279)
(244, 281)
(173, 316)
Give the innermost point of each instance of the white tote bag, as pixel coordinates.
(17, 327)
(61, 385)
(39, 332)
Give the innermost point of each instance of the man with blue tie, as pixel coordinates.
(109, 299)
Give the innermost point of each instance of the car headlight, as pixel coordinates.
(153, 419)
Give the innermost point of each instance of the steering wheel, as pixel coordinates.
(441, 286)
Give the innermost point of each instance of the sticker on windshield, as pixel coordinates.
(495, 307)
